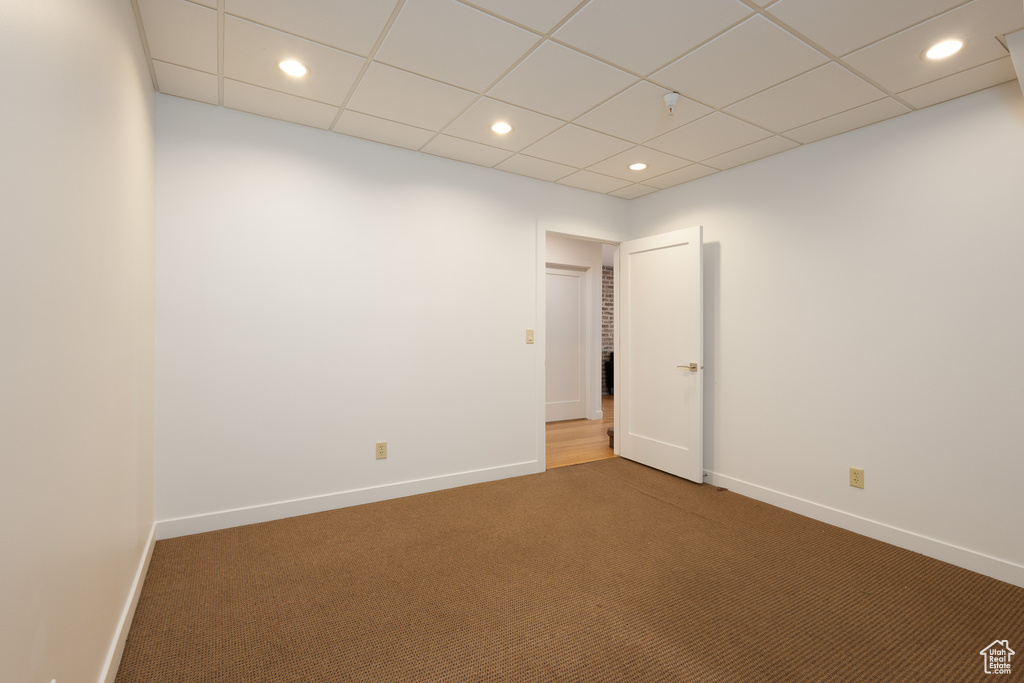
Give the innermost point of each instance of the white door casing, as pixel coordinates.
(565, 319)
(659, 318)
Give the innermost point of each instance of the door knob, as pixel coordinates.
(692, 367)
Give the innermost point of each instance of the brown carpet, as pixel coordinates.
(608, 571)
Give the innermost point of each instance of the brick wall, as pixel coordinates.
(607, 326)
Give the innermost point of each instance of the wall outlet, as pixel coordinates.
(857, 477)
(382, 450)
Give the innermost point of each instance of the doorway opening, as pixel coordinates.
(579, 358)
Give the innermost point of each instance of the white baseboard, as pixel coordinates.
(997, 568)
(225, 519)
(121, 635)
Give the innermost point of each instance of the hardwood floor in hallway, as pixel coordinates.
(576, 441)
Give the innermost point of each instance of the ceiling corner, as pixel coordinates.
(1015, 42)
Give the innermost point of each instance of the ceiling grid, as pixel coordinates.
(581, 83)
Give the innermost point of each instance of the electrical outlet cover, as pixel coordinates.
(857, 477)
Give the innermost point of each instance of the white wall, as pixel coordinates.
(318, 293)
(76, 333)
(864, 300)
(587, 254)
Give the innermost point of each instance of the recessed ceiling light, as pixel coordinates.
(293, 68)
(637, 167)
(944, 49)
(501, 128)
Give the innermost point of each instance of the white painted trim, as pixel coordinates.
(540, 348)
(113, 661)
(225, 519)
(592, 340)
(997, 568)
(616, 396)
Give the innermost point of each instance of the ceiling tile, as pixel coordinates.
(442, 39)
(208, 3)
(963, 83)
(683, 175)
(639, 114)
(897, 62)
(841, 26)
(848, 120)
(535, 168)
(633, 191)
(407, 98)
(745, 60)
(527, 126)
(595, 182)
(277, 105)
(560, 82)
(540, 15)
(575, 146)
(708, 137)
(353, 25)
(823, 92)
(752, 152)
(252, 53)
(181, 33)
(188, 83)
(657, 164)
(381, 130)
(644, 35)
(464, 150)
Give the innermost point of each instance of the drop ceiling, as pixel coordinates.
(581, 82)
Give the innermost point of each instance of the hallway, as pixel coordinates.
(572, 442)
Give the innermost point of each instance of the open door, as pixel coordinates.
(659, 374)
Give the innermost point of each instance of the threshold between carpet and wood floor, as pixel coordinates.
(607, 571)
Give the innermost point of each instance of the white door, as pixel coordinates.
(565, 369)
(659, 374)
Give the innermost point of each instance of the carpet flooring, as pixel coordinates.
(607, 571)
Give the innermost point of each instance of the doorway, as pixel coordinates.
(579, 332)
(658, 378)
